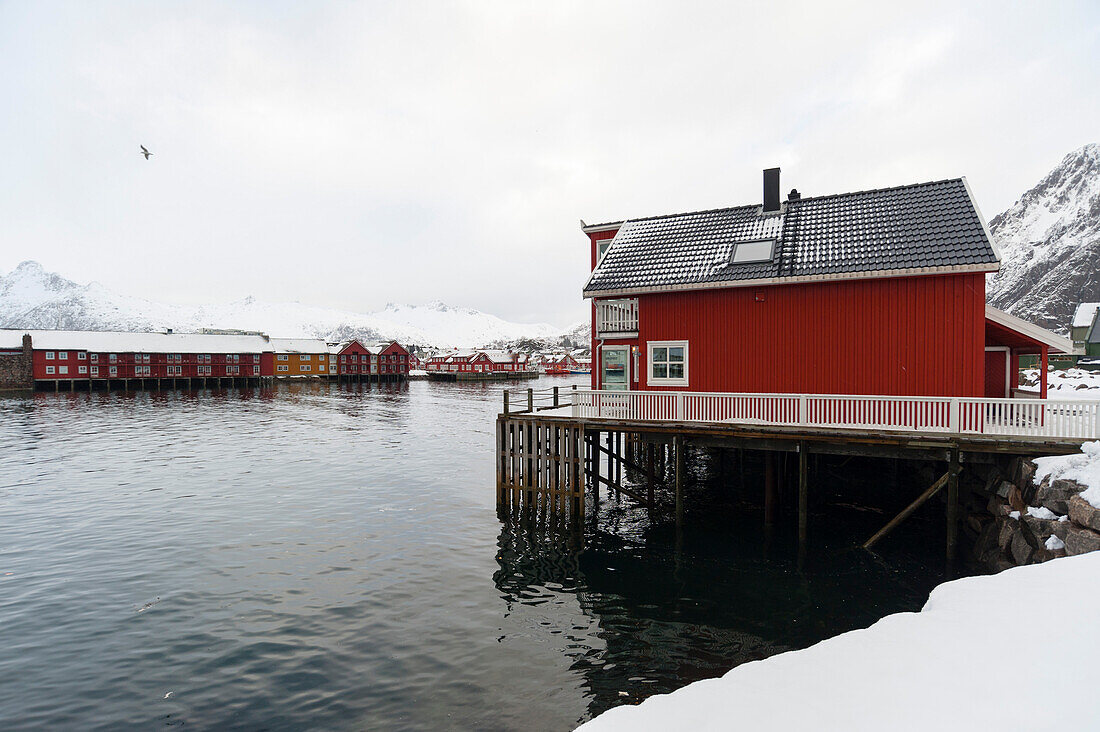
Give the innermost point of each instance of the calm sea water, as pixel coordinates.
(318, 556)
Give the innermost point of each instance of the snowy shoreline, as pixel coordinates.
(1016, 650)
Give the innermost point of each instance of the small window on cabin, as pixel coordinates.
(95, 356)
(63, 355)
(81, 356)
(49, 355)
(753, 251)
(602, 246)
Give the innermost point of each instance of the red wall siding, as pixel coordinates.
(907, 336)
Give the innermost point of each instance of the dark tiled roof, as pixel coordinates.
(917, 226)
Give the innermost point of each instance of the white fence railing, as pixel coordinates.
(960, 415)
(617, 316)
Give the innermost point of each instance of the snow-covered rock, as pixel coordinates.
(31, 297)
(940, 669)
(1050, 244)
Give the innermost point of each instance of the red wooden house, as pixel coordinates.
(876, 292)
(393, 360)
(59, 355)
(354, 359)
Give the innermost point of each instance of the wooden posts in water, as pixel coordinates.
(539, 465)
(771, 497)
(678, 448)
(803, 494)
(952, 505)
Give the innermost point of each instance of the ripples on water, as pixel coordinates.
(330, 557)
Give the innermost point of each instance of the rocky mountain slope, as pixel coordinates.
(31, 297)
(1050, 244)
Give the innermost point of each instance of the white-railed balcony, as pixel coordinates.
(617, 318)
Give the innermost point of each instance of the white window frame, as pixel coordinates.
(95, 371)
(114, 370)
(753, 242)
(95, 357)
(652, 380)
(49, 355)
(49, 371)
(63, 370)
(282, 369)
(62, 355)
(81, 356)
(304, 367)
(82, 369)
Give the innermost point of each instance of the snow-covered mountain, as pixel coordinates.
(1050, 244)
(31, 297)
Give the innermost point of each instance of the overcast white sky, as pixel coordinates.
(353, 154)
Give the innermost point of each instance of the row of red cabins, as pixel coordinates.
(877, 292)
(37, 357)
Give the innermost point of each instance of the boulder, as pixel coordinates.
(998, 507)
(1055, 494)
(1083, 513)
(1040, 529)
(1022, 551)
(1021, 472)
(1081, 541)
(1000, 564)
(985, 546)
(1009, 527)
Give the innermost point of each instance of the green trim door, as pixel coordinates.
(615, 368)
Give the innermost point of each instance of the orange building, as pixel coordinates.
(300, 357)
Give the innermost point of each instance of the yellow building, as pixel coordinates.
(300, 357)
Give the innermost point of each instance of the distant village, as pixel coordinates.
(73, 360)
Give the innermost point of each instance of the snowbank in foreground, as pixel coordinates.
(1017, 650)
(1082, 467)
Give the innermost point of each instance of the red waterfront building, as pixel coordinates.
(875, 292)
(393, 360)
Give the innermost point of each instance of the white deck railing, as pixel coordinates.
(945, 415)
(617, 316)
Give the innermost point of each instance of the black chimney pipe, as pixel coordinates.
(771, 189)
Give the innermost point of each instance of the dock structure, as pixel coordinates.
(550, 443)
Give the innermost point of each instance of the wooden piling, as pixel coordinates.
(770, 497)
(803, 494)
(952, 505)
(678, 448)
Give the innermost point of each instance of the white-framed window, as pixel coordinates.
(233, 358)
(305, 357)
(112, 357)
(283, 357)
(232, 369)
(114, 371)
(82, 356)
(63, 370)
(667, 363)
(50, 355)
(175, 370)
(95, 371)
(332, 359)
(343, 359)
(82, 369)
(761, 250)
(305, 367)
(282, 368)
(62, 355)
(95, 357)
(145, 358)
(49, 370)
(601, 248)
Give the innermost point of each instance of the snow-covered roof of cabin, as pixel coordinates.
(500, 356)
(117, 342)
(1057, 343)
(1083, 315)
(298, 345)
(919, 228)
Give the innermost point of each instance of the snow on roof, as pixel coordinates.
(1056, 342)
(1082, 317)
(299, 345)
(116, 342)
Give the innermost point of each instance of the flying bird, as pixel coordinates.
(145, 152)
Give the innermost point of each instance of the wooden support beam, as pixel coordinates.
(952, 505)
(651, 478)
(771, 499)
(803, 495)
(625, 491)
(905, 513)
(678, 447)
